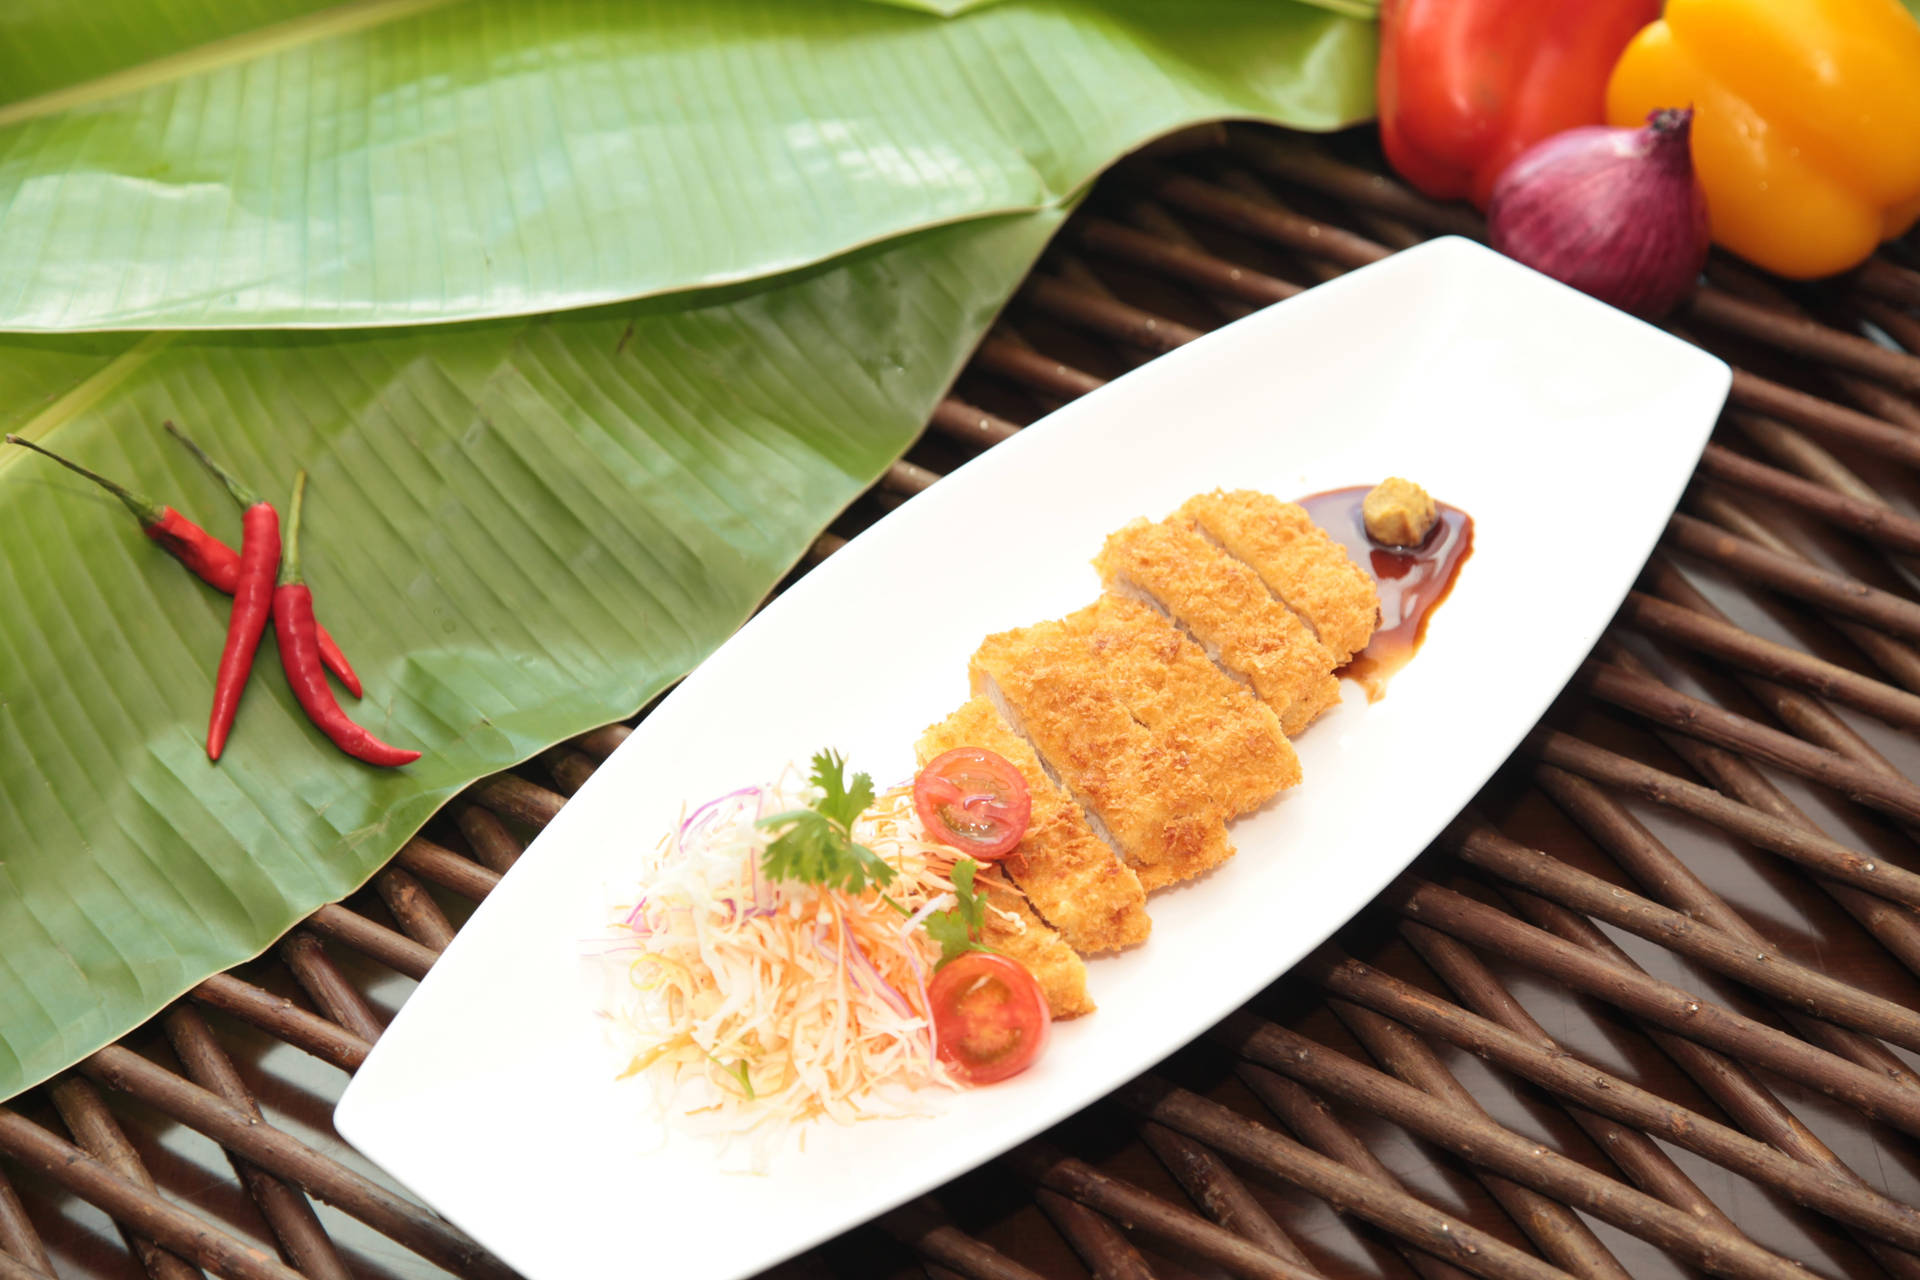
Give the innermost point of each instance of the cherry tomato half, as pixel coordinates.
(975, 801)
(990, 1015)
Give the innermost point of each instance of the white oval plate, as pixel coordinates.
(1564, 427)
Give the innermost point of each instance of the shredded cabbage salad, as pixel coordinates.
(753, 1005)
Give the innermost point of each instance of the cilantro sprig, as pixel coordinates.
(957, 929)
(817, 845)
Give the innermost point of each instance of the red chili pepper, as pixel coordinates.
(299, 653)
(1467, 85)
(212, 561)
(252, 596)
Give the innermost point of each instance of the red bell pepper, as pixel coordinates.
(1467, 85)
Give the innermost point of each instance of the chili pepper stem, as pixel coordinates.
(290, 542)
(241, 494)
(145, 510)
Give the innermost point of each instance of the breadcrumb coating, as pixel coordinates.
(1308, 571)
(1225, 606)
(1076, 883)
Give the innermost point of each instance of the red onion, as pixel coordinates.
(1616, 213)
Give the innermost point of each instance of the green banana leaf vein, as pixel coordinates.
(200, 164)
(519, 527)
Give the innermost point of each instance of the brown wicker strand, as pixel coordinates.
(511, 796)
(1831, 1190)
(1219, 1192)
(1154, 218)
(327, 987)
(1106, 316)
(1670, 1007)
(1805, 338)
(12, 1268)
(286, 1156)
(394, 949)
(568, 768)
(303, 1241)
(186, 1234)
(418, 915)
(440, 865)
(95, 1130)
(1647, 697)
(1183, 262)
(1304, 164)
(1824, 418)
(18, 1239)
(1313, 1122)
(1309, 166)
(1263, 219)
(1896, 657)
(1759, 966)
(496, 847)
(1650, 862)
(1348, 1190)
(1808, 846)
(1489, 1145)
(281, 1017)
(920, 1226)
(1883, 279)
(1637, 1155)
(1806, 457)
(970, 424)
(1663, 620)
(1000, 354)
(1874, 521)
(604, 741)
(1150, 1214)
(1108, 1254)
(1794, 576)
(1896, 929)
(1555, 1229)
(1728, 1081)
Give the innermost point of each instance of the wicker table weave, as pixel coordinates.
(1649, 1009)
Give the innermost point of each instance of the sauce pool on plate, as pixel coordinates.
(1412, 581)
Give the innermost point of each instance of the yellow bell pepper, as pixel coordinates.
(1806, 127)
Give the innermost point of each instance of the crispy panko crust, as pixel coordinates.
(1228, 610)
(1072, 878)
(1311, 573)
(1231, 738)
(1155, 809)
(1029, 941)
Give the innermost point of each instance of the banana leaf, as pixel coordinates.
(263, 163)
(519, 529)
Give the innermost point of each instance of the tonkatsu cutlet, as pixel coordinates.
(1224, 605)
(1073, 880)
(1308, 571)
(1231, 738)
(1027, 940)
(1140, 795)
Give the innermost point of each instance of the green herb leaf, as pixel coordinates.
(957, 929)
(817, 846)
(839, 802)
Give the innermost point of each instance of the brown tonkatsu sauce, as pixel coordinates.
(1412, 581)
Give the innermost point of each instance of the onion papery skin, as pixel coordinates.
(1615, 213)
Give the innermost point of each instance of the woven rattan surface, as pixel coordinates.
(1650, 1009)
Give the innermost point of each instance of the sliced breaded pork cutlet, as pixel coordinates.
(1308, 571)
(1076, 883)
(1223, 604)
(1140, 795)
(1028, 940)
(1231, 738)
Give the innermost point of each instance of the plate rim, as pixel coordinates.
(356, 1111)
